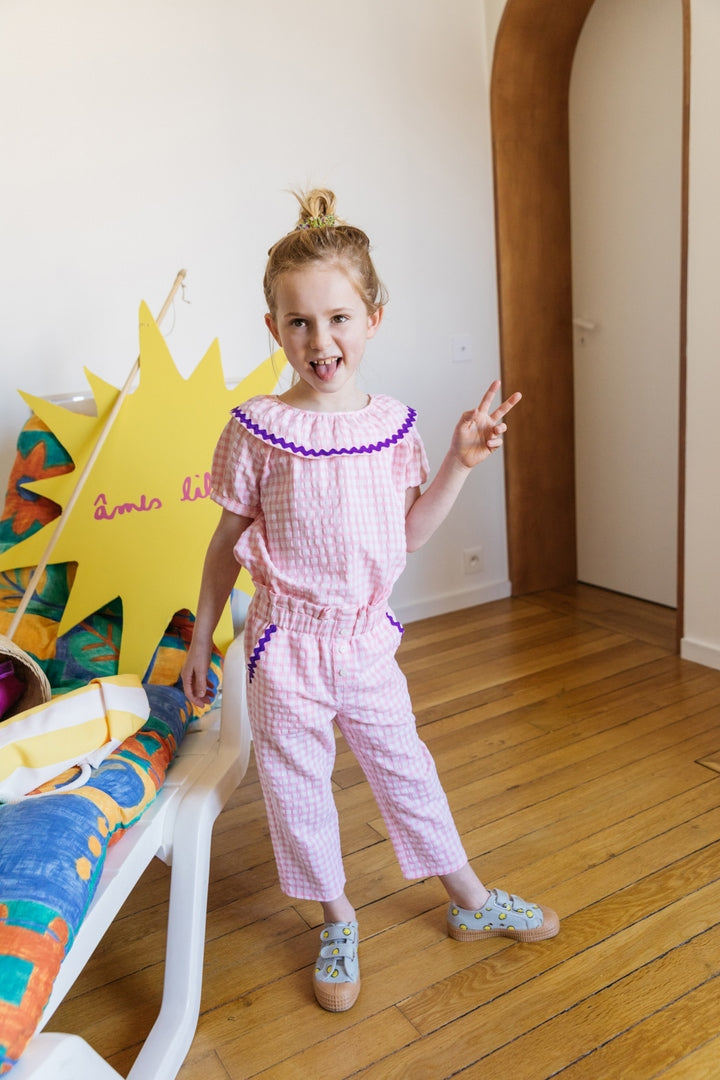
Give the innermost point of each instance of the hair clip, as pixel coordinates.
(322, 221)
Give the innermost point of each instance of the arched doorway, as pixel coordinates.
(533, 59)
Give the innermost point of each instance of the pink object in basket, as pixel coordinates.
(11, 688)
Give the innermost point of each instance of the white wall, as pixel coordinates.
(153, 135)
(702, 513)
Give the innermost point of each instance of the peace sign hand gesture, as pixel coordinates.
(479, 431)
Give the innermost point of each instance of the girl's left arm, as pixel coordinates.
(476, 435)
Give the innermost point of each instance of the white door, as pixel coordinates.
(625, 164)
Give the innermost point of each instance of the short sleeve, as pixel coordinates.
(236, 471)
(417, 468)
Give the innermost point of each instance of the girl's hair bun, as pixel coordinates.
(317, 209)
(321, 236)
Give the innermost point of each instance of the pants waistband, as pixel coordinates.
(291, 613)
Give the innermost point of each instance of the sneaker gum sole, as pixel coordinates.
(336, 997)
(549, 928)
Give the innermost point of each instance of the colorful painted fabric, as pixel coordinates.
(52, 850)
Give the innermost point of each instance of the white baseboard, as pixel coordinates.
(455, 601)
(701, 652)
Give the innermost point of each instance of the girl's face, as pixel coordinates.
(322, 324)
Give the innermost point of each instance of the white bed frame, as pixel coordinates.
(177, 827)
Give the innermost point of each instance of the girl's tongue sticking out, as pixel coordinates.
(325, 369)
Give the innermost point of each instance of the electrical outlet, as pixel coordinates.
(472, 560)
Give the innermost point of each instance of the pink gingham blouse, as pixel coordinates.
(326, 492)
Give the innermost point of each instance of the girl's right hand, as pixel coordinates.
(220, 572)
(194, 675)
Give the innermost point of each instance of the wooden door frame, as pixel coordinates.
(529, 98)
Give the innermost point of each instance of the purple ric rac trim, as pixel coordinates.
(278, 440)
(394, 622)
(259, 650)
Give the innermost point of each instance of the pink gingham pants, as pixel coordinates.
(309, 667)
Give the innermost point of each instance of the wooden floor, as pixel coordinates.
(577, 751)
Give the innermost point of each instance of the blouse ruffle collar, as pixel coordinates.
(381, 424)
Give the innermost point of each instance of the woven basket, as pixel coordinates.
(37, 690)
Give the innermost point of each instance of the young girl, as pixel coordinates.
(320, 490)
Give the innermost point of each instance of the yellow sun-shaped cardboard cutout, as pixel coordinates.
(143, 518)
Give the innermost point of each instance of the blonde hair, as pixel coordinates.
(321, 236)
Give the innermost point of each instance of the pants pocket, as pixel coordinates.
(260, 648)
(397, 626)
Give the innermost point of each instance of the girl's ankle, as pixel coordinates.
(339, 910)
(481, 899)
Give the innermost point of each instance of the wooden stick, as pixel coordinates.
(32, 584)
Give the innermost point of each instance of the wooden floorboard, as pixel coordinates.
(580, 756)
